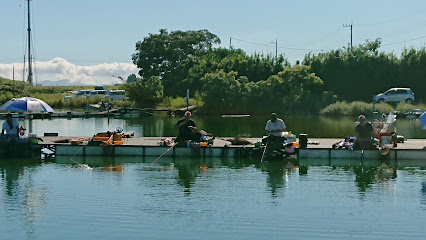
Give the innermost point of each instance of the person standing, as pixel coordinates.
(186, 127)
(10, 126)
(275, 127)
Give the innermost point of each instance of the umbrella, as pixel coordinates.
(423, 120)
(26, 104)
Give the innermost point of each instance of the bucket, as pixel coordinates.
(303, 140)
(386, 140)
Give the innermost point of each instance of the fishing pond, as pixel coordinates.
(100, 197)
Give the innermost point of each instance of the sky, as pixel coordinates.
(91, 41)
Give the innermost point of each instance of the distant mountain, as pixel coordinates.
(63, 82)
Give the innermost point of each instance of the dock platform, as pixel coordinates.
(318, 148)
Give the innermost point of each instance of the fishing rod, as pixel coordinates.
(174, 144)
(264, 150)
(79, 164)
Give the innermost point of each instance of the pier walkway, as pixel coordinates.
(318, 148)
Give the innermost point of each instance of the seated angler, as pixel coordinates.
(187, 129)
(10, 127)
(364, 135)
(275, 127)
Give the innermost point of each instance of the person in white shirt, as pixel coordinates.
(275, 127)
(10, 126)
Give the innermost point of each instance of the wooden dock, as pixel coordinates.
(319, 148)
(112, 113)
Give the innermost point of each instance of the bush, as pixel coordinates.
(405, 107)
(354, 108)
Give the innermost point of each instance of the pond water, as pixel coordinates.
(223, 127)
(210, 198)
(180, 198)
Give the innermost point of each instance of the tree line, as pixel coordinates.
(228, 80)
(362, 72)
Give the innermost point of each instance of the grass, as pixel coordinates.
(179, 102)
(56, 100)
(357, 108)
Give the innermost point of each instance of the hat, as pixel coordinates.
(274, 114)
(361, 117)
(187, 113)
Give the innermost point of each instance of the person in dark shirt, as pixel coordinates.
(187, 128)
(364, 134)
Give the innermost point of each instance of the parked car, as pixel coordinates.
(87, 93)
(96, 93)
(79, 94)
(395, 95)
(116, 95)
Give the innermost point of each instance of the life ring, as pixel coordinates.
(21, 131)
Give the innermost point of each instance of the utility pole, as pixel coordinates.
(276, 48)
(30, 72)
(229, 55)
(349, 25)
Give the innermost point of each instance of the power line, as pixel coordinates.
(394, 19)
(276, 46)
(403, 41)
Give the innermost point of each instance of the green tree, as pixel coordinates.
(145, 93)
(358, 73)
(169, 56)
(221, 91)
(254, 67)
(131, 78)
(295, 89)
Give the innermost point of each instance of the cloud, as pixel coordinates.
(59, 69)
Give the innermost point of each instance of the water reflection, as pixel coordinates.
(155, 126)
(23, 198)
(423, 194)
(279, 172)
(12, 169)
(188, 169)
(367, 173)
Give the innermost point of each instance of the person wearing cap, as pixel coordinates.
(10, 126)
(275, 127)
(186, 127)
(364, 134)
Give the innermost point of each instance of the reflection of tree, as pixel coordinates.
(364, 176)
(276, 171)
(21, 193)
(423, 194)
(12, 169)
(367, 175)
(188, 170)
